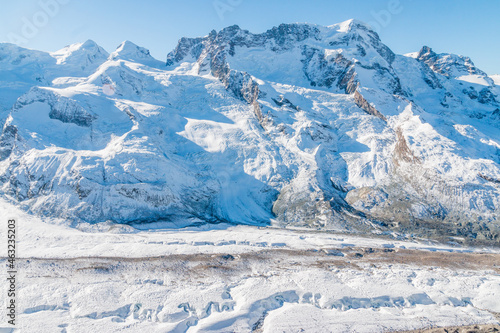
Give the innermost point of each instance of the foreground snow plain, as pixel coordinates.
(224, 278)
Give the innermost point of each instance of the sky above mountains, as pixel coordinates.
(452, 26)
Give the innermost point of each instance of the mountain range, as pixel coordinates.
(300, 126)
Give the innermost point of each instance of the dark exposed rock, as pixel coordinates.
(336, 72)
(402, 152)
(446, 64)
(488, 178)
(286, 34)
(486, 97)
(323, 73)
(185, 47)
(215, 48)
(496, 113)
(471, 93)
(391, 83)
(348, 81)
(7, 141)
(282, 101)
(430, 77)
(366, 106)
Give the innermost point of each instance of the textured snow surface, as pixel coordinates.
(114, 278)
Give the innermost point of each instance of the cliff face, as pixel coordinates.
(302, 125)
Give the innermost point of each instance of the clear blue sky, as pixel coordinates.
(470, 28)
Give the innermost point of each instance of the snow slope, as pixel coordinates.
(302, 125)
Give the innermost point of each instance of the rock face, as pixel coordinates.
(449, 65)
(302, 125)
(333, 61)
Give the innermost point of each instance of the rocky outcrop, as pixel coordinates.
(214, 49)
(449, 65)
(7, 141)
(362, 103)
(61, 108)
(402, 152)
(320, 69)
(488, 178)
(186, 47)
(337, 72)
(282, 101)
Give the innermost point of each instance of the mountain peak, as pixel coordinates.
(81, 54)
(426, 51)
(449, 65)
(351, 25)
(130, 51)
(309, 48)
(89, 43)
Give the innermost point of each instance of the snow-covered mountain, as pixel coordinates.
(302, 125)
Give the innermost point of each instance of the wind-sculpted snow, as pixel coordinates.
(302, 125)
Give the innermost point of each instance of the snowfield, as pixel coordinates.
(223, 278)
